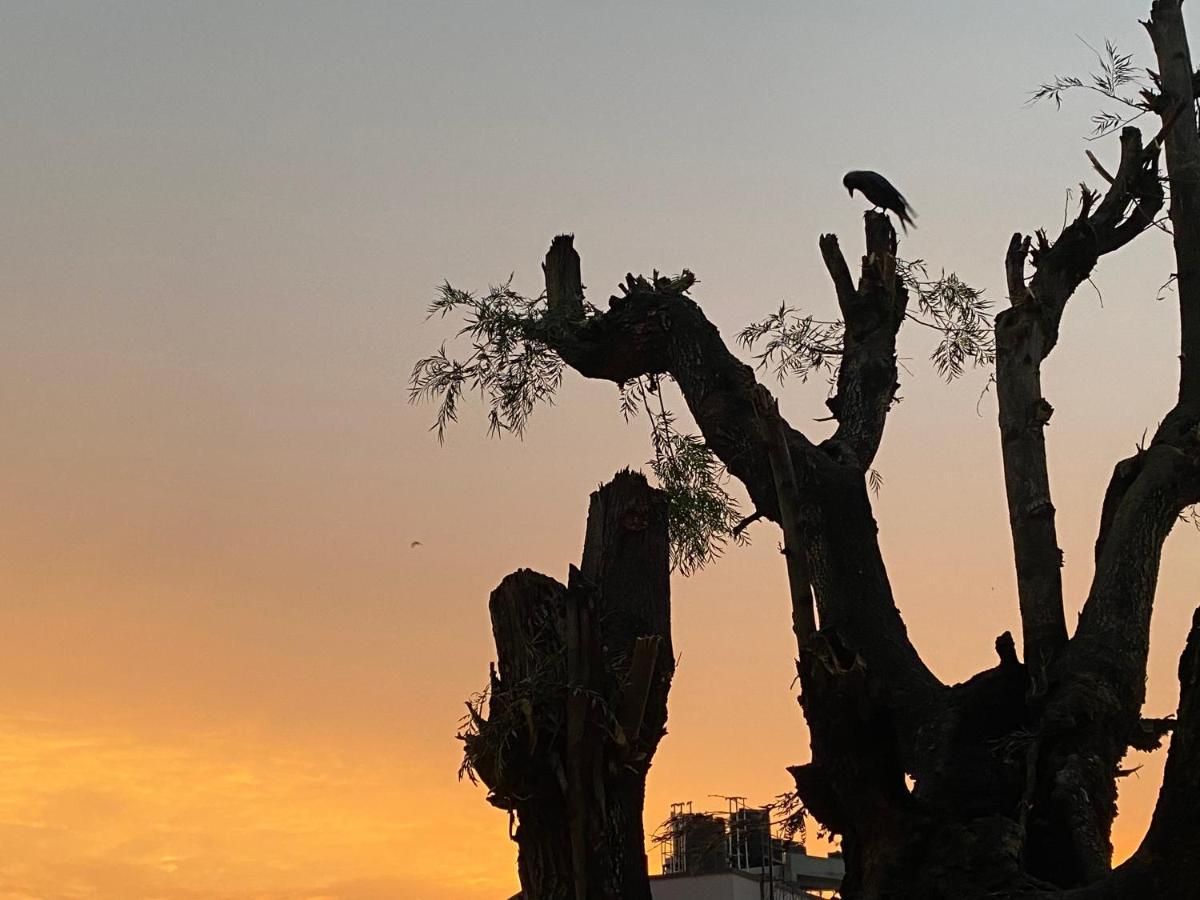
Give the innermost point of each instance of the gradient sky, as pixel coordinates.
(223, 671)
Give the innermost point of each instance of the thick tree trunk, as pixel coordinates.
(579, 702)
(1003, 786)
(1013, 772)
(1069, 795)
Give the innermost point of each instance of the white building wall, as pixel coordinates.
(720, 886)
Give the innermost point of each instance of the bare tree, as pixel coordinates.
(1013, 773)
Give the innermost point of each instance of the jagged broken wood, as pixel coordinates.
(578, 701)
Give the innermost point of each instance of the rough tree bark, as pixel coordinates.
(1025, 334)
(578, 701)
(1013, 772)
(1068, 835)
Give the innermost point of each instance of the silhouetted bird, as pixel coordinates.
(880, 192)
(414, 545)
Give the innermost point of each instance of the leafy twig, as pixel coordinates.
(1116, 75)
(512, 372)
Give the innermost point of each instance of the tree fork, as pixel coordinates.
(1014, 770)
(655, 328)
(1026, 333)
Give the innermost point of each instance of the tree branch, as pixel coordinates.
(873, 313)
(790, 515)
(843, 283)
(1145, 496)
(655, 329)
(1026, 333)
(1173, 835)
(564, 285)
(1182, 146)
(1148, 491)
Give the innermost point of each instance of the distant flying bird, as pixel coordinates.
(414, 544)
(880, 192)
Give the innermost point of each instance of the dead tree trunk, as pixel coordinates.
(578, 701)
(1004, 786)
(1013, 773)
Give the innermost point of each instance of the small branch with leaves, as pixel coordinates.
(704, 517)
(789, 343)
(514, 371)
(511, 371)
(1114, 80)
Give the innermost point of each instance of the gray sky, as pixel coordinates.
(220, 224)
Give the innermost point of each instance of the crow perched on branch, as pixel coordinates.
(880, 192)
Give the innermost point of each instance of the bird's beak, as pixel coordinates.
(850, 191)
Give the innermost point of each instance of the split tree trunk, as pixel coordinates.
(579, 701)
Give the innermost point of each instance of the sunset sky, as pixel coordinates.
(224, 672)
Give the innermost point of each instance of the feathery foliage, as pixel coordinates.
(958, 312)
(874, 481)
(702, 513)
(1115, 77)
(512, 371)
(1191, 516)
(793, 821)
(793, 344)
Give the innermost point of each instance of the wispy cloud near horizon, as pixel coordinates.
(94, 815)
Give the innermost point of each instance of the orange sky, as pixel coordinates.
(223, 671)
